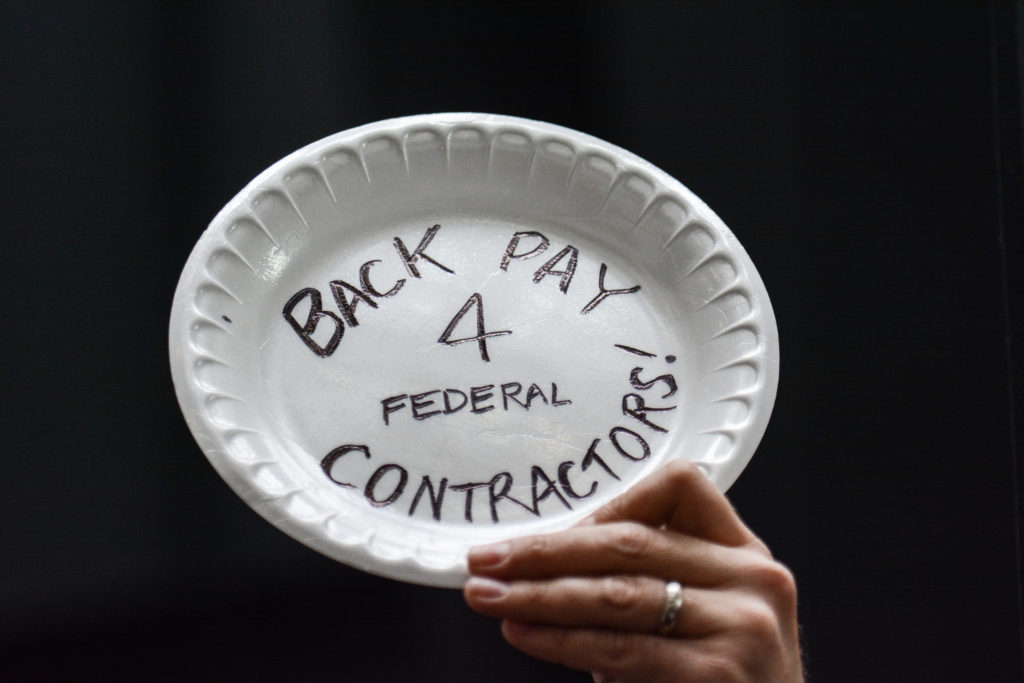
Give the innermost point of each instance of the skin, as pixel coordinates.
(592, 597)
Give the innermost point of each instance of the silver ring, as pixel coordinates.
(673, 604)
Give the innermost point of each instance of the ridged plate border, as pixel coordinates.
(226, 426)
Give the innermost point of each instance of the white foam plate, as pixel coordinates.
(436, 331)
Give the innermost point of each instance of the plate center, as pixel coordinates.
(471, 371)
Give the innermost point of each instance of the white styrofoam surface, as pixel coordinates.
(310, 356)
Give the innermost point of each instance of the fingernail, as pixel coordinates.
(487, 556)
(486, 589)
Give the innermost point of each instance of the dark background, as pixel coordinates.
(867, 156)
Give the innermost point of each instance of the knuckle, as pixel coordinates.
(785, 587)
(780, 584)
(620, 593)
(773, 579)
(535, 548)
(631, 540)
(760, 621)
(617, 655)
(532, 592)
(720, 668)
(760, 547)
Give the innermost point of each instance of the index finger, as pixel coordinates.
(679, 497)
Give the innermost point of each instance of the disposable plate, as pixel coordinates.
(436, 331)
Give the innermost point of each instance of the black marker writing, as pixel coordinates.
(480, 399)
(554, 397)
(468, 490)
(410, 260)
(605, 293)
(635, 407)
(538, 475)
(364, 281)
(481, 336)
(510, 250)
(570, 269)
(592, 457)
(563, 481)
(635, 352)
(328, 462)
(448, 407)
(507, 393)
(436, 500)
(644, 447)
(313, 318)
(496, 496)
(420, 402)
(388, 483)
(348, 308)
(478, 395)
(669, 380)
(371, 485)
(392, 404)
(347, 297)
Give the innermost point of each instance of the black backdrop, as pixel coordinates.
(867, 156)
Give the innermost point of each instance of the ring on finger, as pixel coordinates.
(673, 605)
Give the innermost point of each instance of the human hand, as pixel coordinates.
(593, 597)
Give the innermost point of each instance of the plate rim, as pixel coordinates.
(274, 508)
